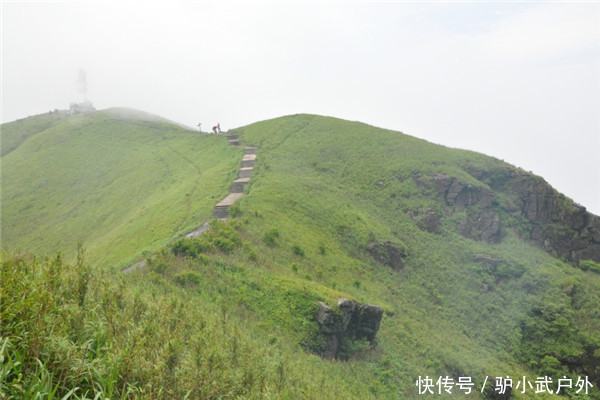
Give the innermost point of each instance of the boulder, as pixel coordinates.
(350, 322)
(387, 253)
(325, 318)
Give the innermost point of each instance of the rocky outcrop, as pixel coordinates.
(387, 253)
(460, 194)
(537, 212)
(480, 221)
(551, 221)
(427, 220)
(348, 323)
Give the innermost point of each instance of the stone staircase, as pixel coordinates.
(221, 210)
(233, 140)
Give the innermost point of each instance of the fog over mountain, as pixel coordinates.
(516, 81)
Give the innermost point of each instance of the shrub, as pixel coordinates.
(224, 244)
(191, 247)
(223, 235)
(159, 267)
(270, 237)
(235, 211)
(298, 250)
(188, 278)
(322, 248)
(250, 252)
(589, 265)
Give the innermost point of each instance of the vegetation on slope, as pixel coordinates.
(187, 327)
(326, 183)
(232, 313)
(121, 181)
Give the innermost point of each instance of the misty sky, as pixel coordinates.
(518, 81)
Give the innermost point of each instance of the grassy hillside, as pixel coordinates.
(232, 313)
(120, 181)
(336, 185)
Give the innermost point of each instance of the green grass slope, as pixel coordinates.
(332, 187)
(121, 181)
(232, 313)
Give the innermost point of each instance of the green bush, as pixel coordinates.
(224, 244)
(322, 248)
(270, 237)
(589, 265)
(188, 278)
(235, 211)
(299, 251)
(191, 247)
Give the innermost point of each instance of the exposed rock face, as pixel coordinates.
(481, 221)
(427, 220)
(541, 214)
(349, 322)
(387, 254)
(460, 194)
(555, 223)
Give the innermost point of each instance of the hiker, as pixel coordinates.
(215, 130)
(219, 127)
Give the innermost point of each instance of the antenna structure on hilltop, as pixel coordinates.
(82, 83)
(82, 86)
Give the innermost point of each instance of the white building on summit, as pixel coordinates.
(80, 108)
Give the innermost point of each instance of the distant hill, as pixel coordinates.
(480, 269)
(121, 181)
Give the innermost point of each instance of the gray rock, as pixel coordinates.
(325, 318)
(428, 220)
(347, 307)
(387, 253)
(357, 322)
(554, 222)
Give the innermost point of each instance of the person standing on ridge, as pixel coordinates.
(219, 127)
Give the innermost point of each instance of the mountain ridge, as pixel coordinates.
(443, 240)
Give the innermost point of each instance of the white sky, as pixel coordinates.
(518, 81)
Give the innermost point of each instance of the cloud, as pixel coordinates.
(546, 32)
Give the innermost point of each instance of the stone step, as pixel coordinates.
(229, 199)
(250, 150)
(245, 172)
(221, 212)
(238, 185)
(247, 163)
(248, 160)
(234, 142)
